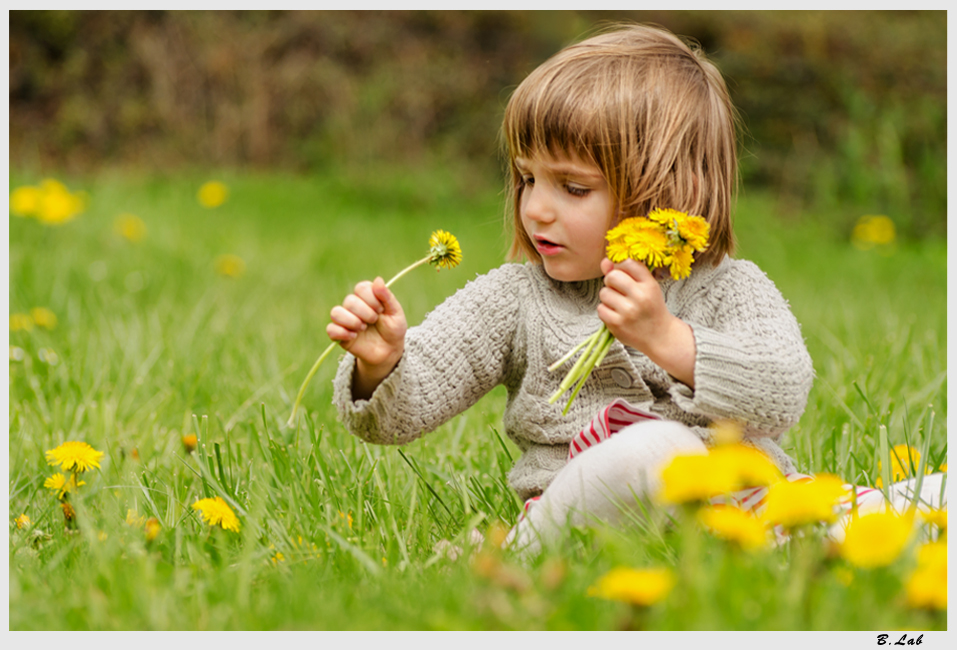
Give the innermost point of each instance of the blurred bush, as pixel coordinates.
(840, 108)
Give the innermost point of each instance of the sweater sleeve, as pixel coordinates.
(751, 363)
(454, 357)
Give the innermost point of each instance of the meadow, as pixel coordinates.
(158, 337)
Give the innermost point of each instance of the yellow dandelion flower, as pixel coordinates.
(693, 230)
(152, 528)
(25, 201)
(57, 205)
(230, 266)
(735, 525)
(904, 463)
(215, 512)
(926, 588)
(61, 485)
(632, 230)
(935, 517)
(649, 246)
(134, 519)
(642, 587)
(943, 467)
(725, 432)
(212, 194)
(873, 230)
(797, 503)
(876, 539)
(190, 442)
(278, 557)
(74, 455)
(20, 323)
(696, 478)
(749, 466)
(43, 317)
(444, 250)
(130, 227)
(23, 521)
(679, 262)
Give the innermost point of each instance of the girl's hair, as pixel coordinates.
(649, 111)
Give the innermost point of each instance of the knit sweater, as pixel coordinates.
(507, 326)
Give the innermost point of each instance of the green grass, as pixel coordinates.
(152, 344)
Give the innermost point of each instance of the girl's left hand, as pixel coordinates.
(633, 308)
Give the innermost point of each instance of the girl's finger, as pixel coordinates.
(361, 308)
(346, 319)
(636, 270)
(386, 298)
(365, 291)
(337, 333)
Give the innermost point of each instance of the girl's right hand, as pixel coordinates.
(371, 325)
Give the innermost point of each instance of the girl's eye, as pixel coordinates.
(575, 190)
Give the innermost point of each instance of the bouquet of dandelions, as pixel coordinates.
(665, 238)
(444, 253)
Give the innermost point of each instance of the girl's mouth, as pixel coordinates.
(545, 247)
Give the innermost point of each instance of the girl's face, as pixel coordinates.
(566, 209)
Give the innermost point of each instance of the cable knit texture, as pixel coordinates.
(507, 326)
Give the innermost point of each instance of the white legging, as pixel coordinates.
(606, 482)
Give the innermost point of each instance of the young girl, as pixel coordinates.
(612, 127)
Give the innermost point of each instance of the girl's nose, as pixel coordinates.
(538, 207)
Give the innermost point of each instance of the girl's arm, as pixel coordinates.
(462, 350)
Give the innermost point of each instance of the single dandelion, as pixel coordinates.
(217, 512)
(23, 521)
(60, 485)
(152, 529)
(74, 455)
(735, 525)
(229, 265)
(130, 227)
(190, 442)
(444, 253)
(795, 503)
(69, 514)
(57, 205)
(935, 517)
(20, 323)
(134, 519)
(25, 201)
(904, 463)
(749, 466)
(43, 317)
(926, 587)
(641, 587)
(873, 230)
(212, 194)
(666, 238)
(876, 539)
(696, 478)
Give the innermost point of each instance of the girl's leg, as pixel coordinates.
(603, 481)
(902, 496)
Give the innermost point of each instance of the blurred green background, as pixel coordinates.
(845, 112)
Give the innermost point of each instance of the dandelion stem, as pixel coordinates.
(322, 357)
(398, 275)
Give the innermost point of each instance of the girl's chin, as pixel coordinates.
(568, 275)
